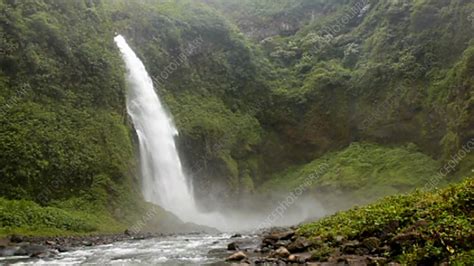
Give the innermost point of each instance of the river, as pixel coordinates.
(191, 249)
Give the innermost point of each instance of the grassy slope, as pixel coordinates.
(28, 218)
(79, 216)
(438, 225)
(362, 172)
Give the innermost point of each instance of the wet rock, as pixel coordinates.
(283, 235)
(349, 260)
(299, 257)
(282, 243)
(236, 235)
(292, 258)
(384, 249)
(377, 260)
(350, 247)
(8, 251)
(266, 242)
(371, 243)
(266, 261)
(87, 243)
(16, 238)
(29, 250)
(64, 249)
(243, 262)
(281, 252)
(50, 243)
(233, 246)
(21, 252)
(39, 255)
(356, 260)
(299, 245)
(45, 254)
(238, 256)
(127, 233)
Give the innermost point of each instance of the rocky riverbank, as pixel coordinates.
(284, 246)
(431, 228)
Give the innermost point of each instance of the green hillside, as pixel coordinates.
(261, 92)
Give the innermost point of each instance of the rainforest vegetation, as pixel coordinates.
(262, 93)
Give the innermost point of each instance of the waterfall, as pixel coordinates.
(163, 179)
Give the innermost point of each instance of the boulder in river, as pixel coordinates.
(292, 258)
(87, 243)
(30, 250)
(44, 254)
(64, 249)
(50, 242)
(282, 243)
(281, 235)
(232, 246)
(281, 252)
(267, 242)
(8, 251)
(238, 256)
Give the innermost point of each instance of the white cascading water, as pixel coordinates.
(164, 182)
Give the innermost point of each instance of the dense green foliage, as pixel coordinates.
(436, 226)
(261, 92)
(388, 72)
(216, 94)
(64, 138)
(68, 128)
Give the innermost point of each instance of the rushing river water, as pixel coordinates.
(199, 249)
